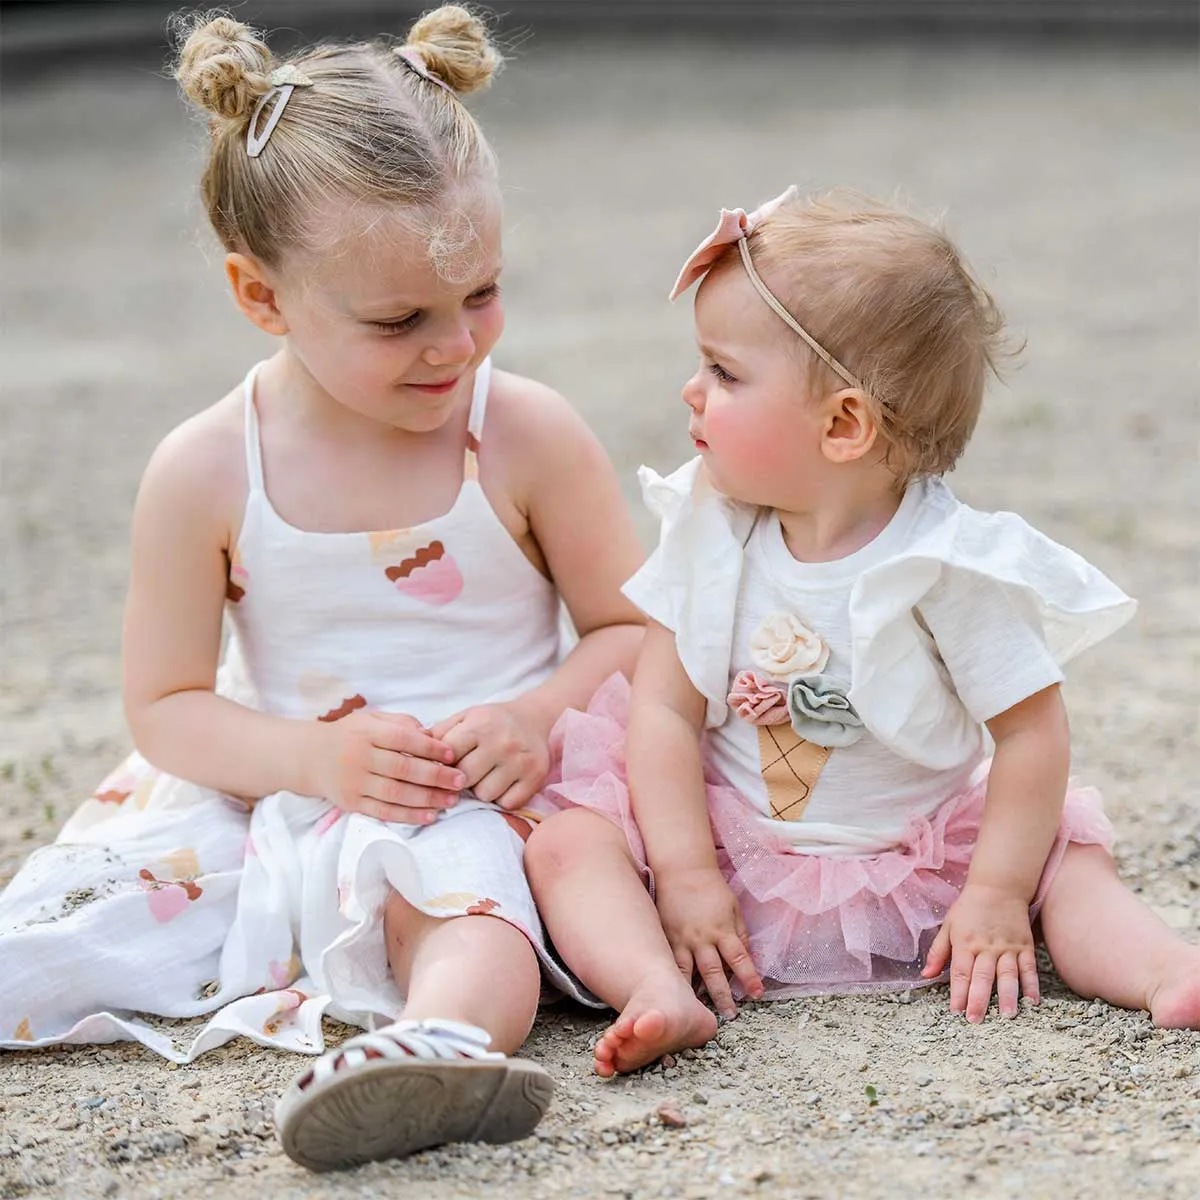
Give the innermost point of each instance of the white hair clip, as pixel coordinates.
(283, 80)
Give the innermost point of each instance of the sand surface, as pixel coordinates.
(1070, 178)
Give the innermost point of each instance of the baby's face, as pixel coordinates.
(751, 417)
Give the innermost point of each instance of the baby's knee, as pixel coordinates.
(560, 841)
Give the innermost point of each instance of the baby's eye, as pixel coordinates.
(390, 328)
(720, 372)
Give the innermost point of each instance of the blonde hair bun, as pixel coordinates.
(222, 66)
(455, 47)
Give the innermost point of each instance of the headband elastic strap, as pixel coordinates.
(785, 316)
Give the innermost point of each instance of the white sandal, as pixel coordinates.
(405, 1087)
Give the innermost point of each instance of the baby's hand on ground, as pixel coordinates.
(987, 939)
(384, 765)
(703, 924)
(500, 749)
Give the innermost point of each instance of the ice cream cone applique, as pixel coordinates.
(782, 648)
(235, 581)
(430, 575)
(329, 696)
(790, 767)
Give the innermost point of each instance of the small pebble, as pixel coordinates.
(670, 1116)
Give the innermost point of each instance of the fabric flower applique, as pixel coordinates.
(757, 700)
(783, 646)
(821, 711)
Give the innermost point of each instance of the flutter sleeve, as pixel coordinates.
(973, 618)
(690, 582)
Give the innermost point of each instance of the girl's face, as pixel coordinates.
(751, 418)
(381, 332)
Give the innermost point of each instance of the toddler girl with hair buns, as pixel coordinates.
(842, 632)
(388, 525)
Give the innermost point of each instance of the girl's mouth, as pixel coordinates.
(436, 389)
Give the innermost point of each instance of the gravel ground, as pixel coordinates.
(1070, 178)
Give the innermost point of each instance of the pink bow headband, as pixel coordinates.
(736, 226)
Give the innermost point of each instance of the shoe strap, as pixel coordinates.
(430, 1039)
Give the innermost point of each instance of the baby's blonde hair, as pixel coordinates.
(889, 296)
(370, 130)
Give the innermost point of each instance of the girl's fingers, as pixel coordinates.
(398, 814)
(394, 794)
(444, 726)
(405, 736)
(708, 962)
(983, 975)
(1008, 984)
(408, 768)
(734, 952)
(1031, 986)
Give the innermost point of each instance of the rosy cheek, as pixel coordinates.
(489, 324)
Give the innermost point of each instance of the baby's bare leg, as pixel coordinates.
(1107, 943)
(605, 925)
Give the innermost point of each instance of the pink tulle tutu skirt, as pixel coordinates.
(818, 924)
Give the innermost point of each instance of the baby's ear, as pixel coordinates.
(849, 430)
(254, 293)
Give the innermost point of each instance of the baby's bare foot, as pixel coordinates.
(658, 1018)
(1175, 1003)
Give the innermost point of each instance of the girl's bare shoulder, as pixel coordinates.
(200, 466)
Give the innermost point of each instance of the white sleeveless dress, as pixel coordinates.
(164, 898)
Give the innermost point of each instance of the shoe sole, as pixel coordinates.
(388, 1109)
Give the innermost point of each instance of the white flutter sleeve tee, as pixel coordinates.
(947, 618)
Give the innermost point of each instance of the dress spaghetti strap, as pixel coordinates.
(475, 419)
(254, 468)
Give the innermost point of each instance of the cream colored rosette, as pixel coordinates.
(783, 646)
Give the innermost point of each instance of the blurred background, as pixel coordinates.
(1057, 139)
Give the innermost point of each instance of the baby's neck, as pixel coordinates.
(840, 525)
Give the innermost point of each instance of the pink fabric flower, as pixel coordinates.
(758, 701)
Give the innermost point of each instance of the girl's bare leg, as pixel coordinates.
(476, 969)
(604, 924)
(1107, 943)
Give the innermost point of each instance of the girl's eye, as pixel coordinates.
(484, 295)
(394, 327)
(720, 372)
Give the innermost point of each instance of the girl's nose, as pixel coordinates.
(454, 344)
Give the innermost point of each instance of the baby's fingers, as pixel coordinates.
(939, 954)
(1031, 985)
(712, 971)
(983, 976)
(734, 952)
(1008, 983)
(962, 962)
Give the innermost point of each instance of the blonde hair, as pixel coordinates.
(890, 297)
(369, 129)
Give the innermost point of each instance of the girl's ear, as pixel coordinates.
(254, 293)
(849, 431)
